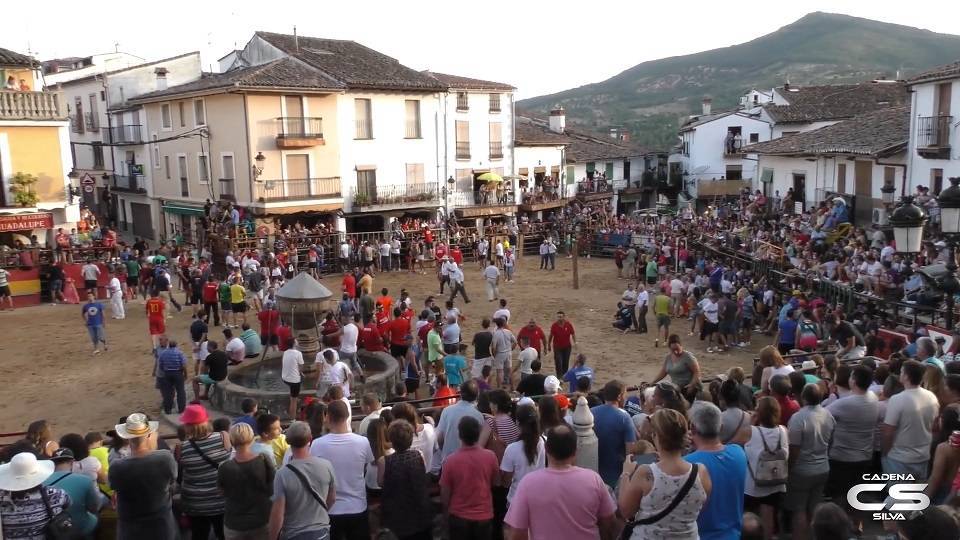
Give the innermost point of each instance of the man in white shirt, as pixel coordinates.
(905, 434)
(345, 254)
(235, 349)
(116, 296)
(351, 457)
(643, 304)
(456, 284)
(291, 375)
(491, 277)
(552, 254)
(395, 254)
(335, 373)
(91, 273)
(446, 267)
(503, 312)
(498, 247)
(711, 319)
(385, 256)
(676, 296)
(482, 247)
(348, 342)
(526, 357)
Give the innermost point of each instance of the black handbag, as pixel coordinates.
(60, 526)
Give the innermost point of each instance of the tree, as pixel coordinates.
(22, 187)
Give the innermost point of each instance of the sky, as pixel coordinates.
(538, 46)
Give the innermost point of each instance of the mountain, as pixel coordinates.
(652, 98)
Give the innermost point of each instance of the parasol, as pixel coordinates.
(490, 177)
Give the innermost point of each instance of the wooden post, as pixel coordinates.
(576, 257)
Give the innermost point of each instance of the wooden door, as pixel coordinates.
(863, 199)
(944, 92)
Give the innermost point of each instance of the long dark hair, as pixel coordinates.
(529, 424)
(549, 413)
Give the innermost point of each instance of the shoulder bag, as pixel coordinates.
(631, 523)
(735, 431)
(495, 444)
(60, 526)
(307, 486)
(205, 457)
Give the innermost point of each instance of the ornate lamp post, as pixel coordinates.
(886, 194)
(949, 202)
(907, 221)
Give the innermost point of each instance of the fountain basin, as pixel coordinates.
(250, 380)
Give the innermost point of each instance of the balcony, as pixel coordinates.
(299, 189)
(130, 133)
(483, 203)
(397, 196)
(463, 103)
(299, 132)
(721, 188)
(31, 106)
(732, 147)
(129, 184)
(463, 149)
(593, 190)
(933, 136)
(496, 150)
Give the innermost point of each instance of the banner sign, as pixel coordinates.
(24, 222)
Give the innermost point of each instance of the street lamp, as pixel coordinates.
(446, 201)
(886, 194)
(258, 166)
(949, 202)
(907, 221)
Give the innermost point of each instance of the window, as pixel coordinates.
(165, 122)
(364, 118)
(77, 119)
(463, 139)
(226, 163)
(413, 118)
(183, 114)
(734, 172)
(203, 168)
(936, 180)
(156, 152)
(367, 183)
(166, 167)
(494, 103)
(94, 120)
(496, 143)
(103, 95)
(754, 137)
(97, 148)
(184, 178)
(199, 113)
(463, 104)
(889, 176)
(842, 178)
(414, 173)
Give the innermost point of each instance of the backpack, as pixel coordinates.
(771, 466)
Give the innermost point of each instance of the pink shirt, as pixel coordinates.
(549, 509)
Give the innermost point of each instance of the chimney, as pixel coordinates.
(161, 73)
(558, 120)
(707, 105)
(624, 136)
(296, 39)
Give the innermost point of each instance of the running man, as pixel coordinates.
(93, 316)
(156, 317)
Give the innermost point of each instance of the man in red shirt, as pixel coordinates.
(156, 313)
(534, 334)
(370, 338)
(350, 285)
(63, 245)
(780, 390)
(385, 302)
(330, 330)
(457, 255)
(284, 337)
(440, 253)
(561, 339)
(269, 322)
(465, 482)
(398, 332)
(211, 300)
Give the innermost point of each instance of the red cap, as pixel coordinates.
(194, 414)
(562, 401)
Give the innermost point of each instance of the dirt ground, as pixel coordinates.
(47, 370)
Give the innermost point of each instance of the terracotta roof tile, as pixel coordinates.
(833, 102)
(467, 83)
(11, 58)
(873, 134)
(946, 71)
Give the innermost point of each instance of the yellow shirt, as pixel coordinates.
(280, 446)
(236, 293)
(101, 454)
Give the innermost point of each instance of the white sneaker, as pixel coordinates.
(710, 349)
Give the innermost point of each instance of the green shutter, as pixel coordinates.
(591, 166)
(766, 175)
(609, 171)
(571, 175)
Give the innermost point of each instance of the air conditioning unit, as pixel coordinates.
(879, 216)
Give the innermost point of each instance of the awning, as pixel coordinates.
(182, 210)
(300, 209)
(540, 170)
(766, 175)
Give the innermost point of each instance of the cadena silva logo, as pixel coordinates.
(904, 495)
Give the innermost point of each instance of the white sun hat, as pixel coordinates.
(23, 472)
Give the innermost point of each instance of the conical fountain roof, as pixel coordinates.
(304, 287)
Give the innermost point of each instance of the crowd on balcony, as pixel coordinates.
(14, 86)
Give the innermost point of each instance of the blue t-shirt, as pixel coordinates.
(788, 331)
(247, 419)
(937, 362)
(452, 365)
(94, 313)
(614, 430)
(575, 373)
(83, 493)
(722, 517)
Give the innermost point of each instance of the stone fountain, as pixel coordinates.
(303, 301)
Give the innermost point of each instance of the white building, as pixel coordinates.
(477, 134)
(60, 70)
(933, 154)
(710, 154)
(109, 138)
(855, 158)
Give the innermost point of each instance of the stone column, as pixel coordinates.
(587, 446)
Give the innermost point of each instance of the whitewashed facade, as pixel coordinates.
(934, 149)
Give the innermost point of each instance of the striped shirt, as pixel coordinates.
(199, 495)
(24, 516)
(170, 359)
(505, 428)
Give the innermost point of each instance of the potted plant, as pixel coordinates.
(22, 187)
(361, 199)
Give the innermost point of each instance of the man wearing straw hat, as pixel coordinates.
(143, 483)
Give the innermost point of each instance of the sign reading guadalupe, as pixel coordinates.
(24, 222)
